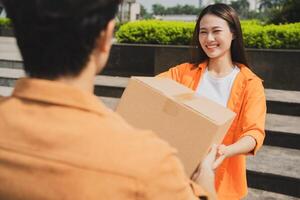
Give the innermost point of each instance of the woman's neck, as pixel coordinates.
(220, 66)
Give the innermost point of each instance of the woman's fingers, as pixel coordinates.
(218, 161)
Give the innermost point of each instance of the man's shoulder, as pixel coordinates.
(2, 98)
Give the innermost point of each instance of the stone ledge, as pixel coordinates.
(283, 123)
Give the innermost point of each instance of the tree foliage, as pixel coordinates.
(242, 7)
(144, 13)
(159, 9)
(287, 12)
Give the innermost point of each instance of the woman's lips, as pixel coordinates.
(211, 47)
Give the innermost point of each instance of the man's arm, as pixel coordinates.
(168, 180)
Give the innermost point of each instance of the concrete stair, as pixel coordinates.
(272, 174)
(255, 194)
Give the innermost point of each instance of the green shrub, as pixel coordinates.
(156, 32)
(5, 22)
(256, 35)
(285, 36)
(252, 22)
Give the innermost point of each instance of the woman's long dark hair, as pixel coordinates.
(237, 46)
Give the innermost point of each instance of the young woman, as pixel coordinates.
(219, 71)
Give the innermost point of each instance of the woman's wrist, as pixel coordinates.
(244, 145)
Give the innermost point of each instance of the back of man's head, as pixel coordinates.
(56, 37)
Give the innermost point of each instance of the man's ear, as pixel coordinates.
(105, 37)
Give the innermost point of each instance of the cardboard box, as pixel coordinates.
(188, 122)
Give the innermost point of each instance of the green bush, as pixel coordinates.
(285, 36)
(5, 22)
(156, 32)
(256, 35)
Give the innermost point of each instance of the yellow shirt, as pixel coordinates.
(58, 142)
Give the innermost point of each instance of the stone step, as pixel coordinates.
(273, 183)
(110, 102)
(283, 123)
(5, 91)
(9, 50)
(277, 161)
(275, 169)
(283, 102)
(282, 139)
(282, 131)
(255, 194)
(278, 101)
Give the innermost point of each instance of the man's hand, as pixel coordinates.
(205, 175)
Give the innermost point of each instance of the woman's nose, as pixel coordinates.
(210, 37)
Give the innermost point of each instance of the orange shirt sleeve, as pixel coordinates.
(198, 191)
(254, 113)
(168, 181)
(175, 73)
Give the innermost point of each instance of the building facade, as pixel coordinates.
(129, 10)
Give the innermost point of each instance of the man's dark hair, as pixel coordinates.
(56, 37)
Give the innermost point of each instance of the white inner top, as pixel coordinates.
(217, 89)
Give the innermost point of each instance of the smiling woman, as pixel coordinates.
(215, 36)
(219, 71)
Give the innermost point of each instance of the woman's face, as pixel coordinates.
(215, 36)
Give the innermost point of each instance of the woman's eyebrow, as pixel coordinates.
(214, 27)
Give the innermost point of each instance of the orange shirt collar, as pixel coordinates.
(54, 92)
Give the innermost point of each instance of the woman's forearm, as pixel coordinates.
(244, 145)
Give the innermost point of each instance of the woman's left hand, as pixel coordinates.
(243, 146)
(222, 153)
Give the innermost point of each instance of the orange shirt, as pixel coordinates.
(58, 142)
(247, 100)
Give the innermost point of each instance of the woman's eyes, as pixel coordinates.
(214, 31)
